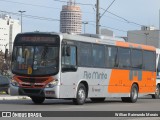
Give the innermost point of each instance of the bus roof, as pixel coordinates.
(98, 39)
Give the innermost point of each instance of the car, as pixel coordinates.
(4, 84)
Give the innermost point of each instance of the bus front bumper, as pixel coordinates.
(39, 92)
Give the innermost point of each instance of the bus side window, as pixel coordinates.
(69, 55)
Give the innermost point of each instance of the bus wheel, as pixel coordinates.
(97, 99)
(81, 95)
(133, 95)
(156, 95)
(38, 100)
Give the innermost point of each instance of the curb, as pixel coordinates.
(14, 98)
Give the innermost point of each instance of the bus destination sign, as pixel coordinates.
(37, 39)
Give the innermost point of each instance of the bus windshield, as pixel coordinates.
(35, 60)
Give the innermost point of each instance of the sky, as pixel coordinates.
(133, 13)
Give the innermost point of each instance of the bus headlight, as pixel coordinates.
(14, 83)
(52, 84)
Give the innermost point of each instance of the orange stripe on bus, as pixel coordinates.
(120, 81)
(127, 44)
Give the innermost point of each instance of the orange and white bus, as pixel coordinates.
(67, 66)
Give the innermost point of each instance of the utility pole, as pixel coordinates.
(97, 18)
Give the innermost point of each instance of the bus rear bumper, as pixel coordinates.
(39, 92)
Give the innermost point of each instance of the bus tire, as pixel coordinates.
(133, 95)
(157, 93)
(97, 99)
(81, 95)
(37, 100)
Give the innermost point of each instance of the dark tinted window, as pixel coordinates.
(84, 55)
(149, 61)
(69, 59)
(136, 59)
(124, 58)
(98, 55)
(111, 56)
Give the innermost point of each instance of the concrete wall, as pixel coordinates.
(147, 37)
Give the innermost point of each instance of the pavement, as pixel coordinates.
(8, 97)
(4, 96)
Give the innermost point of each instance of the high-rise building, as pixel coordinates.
(9, 28)
(71, 18)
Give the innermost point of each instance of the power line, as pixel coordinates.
(107, 9)
(98, 17)
(89, 22)
(114, 29)
(31, 16)
(121, 30)
(34, 5)
(40, 18)
(51, 19)
(36, 17)
(48, 7)
(128, 21)
(76, 2)
(28, 4)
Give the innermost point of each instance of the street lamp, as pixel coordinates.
(84, 25)
(21, 17)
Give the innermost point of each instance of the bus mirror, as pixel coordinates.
(68, 51)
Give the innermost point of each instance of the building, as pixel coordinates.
(106, 32)
(147, 36)
(71, 18)
(8, 30)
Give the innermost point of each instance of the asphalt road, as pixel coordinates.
(110, 104)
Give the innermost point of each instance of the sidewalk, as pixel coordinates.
(8, 97)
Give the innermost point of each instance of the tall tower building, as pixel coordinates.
(71, 18)
(9, 28)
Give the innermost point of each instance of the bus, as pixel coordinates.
(77, 67)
